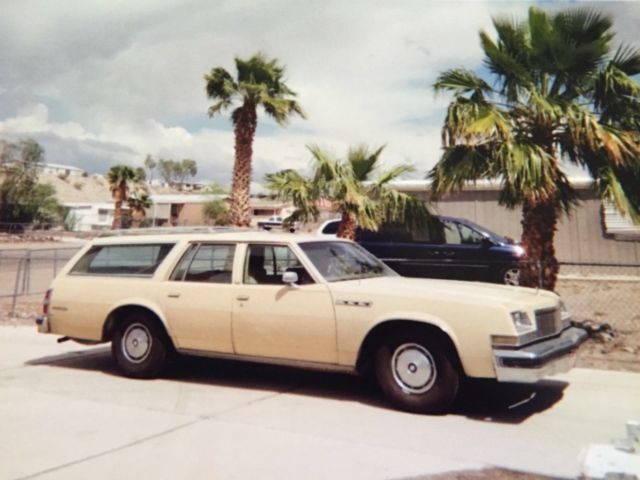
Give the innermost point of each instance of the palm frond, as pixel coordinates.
(404, 208)
(621, 188)
(588, 139)
(460, 164)
(392, 174)
(363, 161)
(220, 84)
(627, 59)
(617, 97)
(472, 123)
(461, 82)
(528, 174)
(289, 185)
(326, 167)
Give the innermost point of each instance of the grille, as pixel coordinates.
(547, 321)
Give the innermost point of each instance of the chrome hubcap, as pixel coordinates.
(136, 342)
(512, 277)
(413, 367)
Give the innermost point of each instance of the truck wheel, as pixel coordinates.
(140, 347)
(416, 373)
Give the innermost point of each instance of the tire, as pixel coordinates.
(416, 372)
(510, 275)
(140, 347)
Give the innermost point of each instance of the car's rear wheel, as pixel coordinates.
(510, 275)
(416, 372)
(140, 346)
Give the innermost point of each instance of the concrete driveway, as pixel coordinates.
(65, 413)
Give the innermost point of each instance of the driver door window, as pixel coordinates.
(265, 265)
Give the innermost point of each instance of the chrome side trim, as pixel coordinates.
(353, 303)
(285, 362)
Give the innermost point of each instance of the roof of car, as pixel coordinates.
(231, 235)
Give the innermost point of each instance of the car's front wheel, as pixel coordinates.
(510, 275)
(140, 347)
(416, 372)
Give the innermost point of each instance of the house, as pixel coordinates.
(59, 169)
(179, 209)
(90, 216)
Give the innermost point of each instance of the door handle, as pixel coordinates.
(174, 295)
(242, 298)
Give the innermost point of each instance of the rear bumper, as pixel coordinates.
(42, 322)
(533, 362)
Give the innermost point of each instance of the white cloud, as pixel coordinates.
(104, 82)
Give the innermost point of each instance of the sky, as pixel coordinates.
(102, 82)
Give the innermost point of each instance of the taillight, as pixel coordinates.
(46, 302)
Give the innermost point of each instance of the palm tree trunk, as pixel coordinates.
(539, 225)
(347, 227)
(119, 195)
(245, 129)
(117, 216)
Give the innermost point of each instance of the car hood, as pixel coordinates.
(442, 290)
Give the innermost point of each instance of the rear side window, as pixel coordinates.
(331, 228)
(210, 263)
(396, 232)
(139, 260)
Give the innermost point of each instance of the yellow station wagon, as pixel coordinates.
(304, 301)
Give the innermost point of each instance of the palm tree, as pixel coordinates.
(260, 82)
(138, 202)
(151, 165)
(350, 186)
(119, 178)
(558, 95)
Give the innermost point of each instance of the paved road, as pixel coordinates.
(65, 414)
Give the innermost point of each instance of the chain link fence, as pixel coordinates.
(602, 292)
(599, 292)
(26, 272)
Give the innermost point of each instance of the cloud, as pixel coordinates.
(108, 82)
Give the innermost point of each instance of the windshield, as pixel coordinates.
(338, 261)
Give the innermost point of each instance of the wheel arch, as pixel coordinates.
(376, 335)
(119, 313)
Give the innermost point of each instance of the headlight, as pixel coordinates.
(521, 321)
(519, 251)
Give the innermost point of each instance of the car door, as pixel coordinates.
(197, 298)
(464, 255)
(409, 253)
(275, 320)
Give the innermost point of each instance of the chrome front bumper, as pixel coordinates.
(533, 362)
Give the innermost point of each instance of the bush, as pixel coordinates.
(217, 212)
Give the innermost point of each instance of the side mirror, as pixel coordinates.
(290, 278)
(487, 242)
